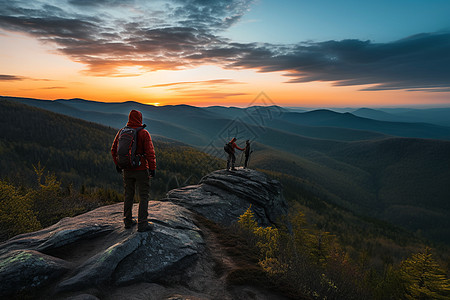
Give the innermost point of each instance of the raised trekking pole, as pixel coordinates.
(240, 160)
(249, 156)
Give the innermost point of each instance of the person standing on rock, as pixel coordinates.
(247, 153)
(231, 157)
(137, 167)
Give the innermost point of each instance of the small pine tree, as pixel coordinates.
(423, 277)
(247, 220)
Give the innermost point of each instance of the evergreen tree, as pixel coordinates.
(16, 215)
(247, 220)
(423, 277)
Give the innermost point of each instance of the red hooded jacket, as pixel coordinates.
(144, 145)
(234, 145)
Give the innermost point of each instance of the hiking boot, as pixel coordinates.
(129, 224)
(145, 227)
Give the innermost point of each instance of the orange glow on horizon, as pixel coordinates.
(43, 73)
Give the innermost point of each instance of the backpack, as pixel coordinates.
(228, 148)
(126, 148)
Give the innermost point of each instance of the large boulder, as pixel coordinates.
(222, 196)
(94, 248)
(26, 270)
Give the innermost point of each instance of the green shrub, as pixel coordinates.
(305, 261)
(16, 214)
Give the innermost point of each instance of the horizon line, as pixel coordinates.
(157, 104)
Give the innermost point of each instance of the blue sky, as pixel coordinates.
(292, 21)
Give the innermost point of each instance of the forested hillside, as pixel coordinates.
(78, 152)
(401, 180)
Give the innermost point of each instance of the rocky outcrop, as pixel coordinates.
(94, 249)
(222, 196)
(92, 254)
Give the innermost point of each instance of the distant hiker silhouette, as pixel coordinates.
(229, 149)
(133, 152)
(247, 153)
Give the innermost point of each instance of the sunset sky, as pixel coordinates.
(302, 53)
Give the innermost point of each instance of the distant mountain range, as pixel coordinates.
(193, 125)
(436, 116)
(395, 171)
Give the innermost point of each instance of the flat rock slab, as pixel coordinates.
(94, 248)
(222, 196)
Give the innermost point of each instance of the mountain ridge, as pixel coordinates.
(348, 120)
(321, 117)
(437, 116)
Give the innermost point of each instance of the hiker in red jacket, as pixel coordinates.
(138, 176)
(231, 156)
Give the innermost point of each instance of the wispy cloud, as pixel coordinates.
(4, 77)
(53, 88)
(201, 82)
(207, 94)
(110, 35)
(436, 90)
(44, 88)
(201, 89)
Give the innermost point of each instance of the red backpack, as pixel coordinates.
(126, 149)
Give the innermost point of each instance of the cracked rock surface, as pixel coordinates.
(222, 196)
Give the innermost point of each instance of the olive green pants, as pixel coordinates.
(133, 179)
(231, 159)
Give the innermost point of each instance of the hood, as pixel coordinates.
(135, 119)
